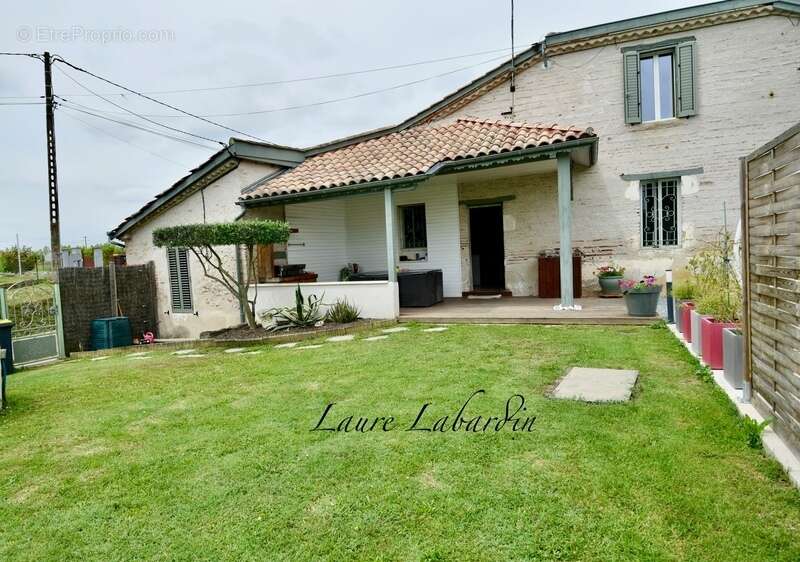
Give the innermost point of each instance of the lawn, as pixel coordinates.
(213, 457)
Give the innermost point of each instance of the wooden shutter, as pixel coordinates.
(264, 261)
(630, 73)
(179, 282)
(685, 79)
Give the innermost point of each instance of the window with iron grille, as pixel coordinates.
(660, 220)
(414, 230)
(180, 285)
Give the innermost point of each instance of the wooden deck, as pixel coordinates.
(522, 310)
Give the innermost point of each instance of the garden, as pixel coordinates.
(211, 453)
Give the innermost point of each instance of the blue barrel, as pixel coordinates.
(111, 332)
(5, 343)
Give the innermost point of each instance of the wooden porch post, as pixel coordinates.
(389, 214)
(565, 227)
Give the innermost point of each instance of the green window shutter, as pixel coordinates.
(686, 79)
(179, 281)
(630, 73)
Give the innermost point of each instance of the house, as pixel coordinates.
(620, 141)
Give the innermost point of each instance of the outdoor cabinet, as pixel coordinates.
(550, 277)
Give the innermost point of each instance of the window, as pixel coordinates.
(180, 285)
(414, 230)
(659, 81)
(656, 86)
(660, 226)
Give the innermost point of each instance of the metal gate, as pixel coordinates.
(35, 311)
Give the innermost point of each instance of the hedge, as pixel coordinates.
(247, 232)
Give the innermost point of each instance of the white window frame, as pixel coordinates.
(657, 84)
(659, 216)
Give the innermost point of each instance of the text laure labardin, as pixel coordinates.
(513, 419)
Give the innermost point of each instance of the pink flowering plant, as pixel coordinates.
(610, 270)
(645, 285)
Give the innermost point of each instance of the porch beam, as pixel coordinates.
(565, 228)
(389, 216)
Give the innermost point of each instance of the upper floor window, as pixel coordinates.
(659, 81)
(660, 219)
(655, 76)
(415, 233)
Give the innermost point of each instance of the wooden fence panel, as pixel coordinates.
(771, 226)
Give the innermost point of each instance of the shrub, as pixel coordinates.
(28, 256)
(717, 290)
(631, 286)
(684, 290)
(343, 312)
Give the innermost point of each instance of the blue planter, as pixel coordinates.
(643, 302)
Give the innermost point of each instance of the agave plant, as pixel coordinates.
(306, 312)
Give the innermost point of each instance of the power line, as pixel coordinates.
(293, 80)
(23, 103)
(137, 114)
(313, 104)
(139, 127)
(126, 141)
(79, 69)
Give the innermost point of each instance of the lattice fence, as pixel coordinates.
(771, 219)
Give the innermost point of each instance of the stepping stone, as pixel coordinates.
(348, 337)
(138, 354)
(376, 338)
(252, 352)
(101, 358)
(439, 329)
(138, 357)
(193, 355)
(184, 352)
(395, 330)
(286, 345)
(234, 350)
(596, 385)
(310, 346)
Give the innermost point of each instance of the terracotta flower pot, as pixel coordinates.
(712, 341)
(686, 320)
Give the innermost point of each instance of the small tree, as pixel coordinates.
(201, 240)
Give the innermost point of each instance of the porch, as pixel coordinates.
(456, 199)
(523, 310)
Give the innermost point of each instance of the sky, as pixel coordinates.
(107, 170)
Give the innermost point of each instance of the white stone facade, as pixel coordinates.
(214, 306)
(747, 83)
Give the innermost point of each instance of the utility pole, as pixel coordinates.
(52, 176)
(19, 258)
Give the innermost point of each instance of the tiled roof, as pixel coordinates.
(413, 152)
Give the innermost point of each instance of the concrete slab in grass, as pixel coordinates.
(596, 385)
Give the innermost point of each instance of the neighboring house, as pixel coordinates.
(620, 140)
(189, 302)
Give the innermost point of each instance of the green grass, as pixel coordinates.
(213, 458)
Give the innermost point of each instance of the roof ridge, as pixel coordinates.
(517, 124)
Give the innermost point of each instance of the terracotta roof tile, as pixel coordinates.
(413, 152)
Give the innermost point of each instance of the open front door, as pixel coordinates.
(486, 242)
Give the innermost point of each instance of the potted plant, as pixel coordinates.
(682, 293)
(609, 277)
(686, 320)
(722, 314)
(733, 356)
(696, 319)
(641, 297)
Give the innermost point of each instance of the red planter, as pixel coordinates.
(686, 321)
(712, 341)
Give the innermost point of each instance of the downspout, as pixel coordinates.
(239, 267)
